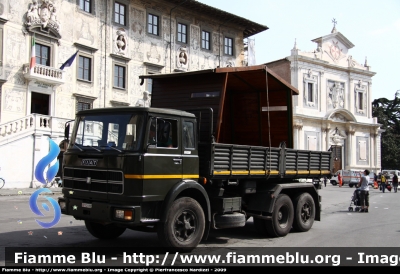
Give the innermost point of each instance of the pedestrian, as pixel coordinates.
(364, 191)
(383, 183)
(325, 179)
(395, 182)
(340, 180)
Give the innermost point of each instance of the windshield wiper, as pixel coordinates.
(81, 149)
(99, 150)
(115, 149)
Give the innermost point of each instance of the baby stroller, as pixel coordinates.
(355, 200)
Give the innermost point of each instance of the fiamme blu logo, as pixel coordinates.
(40, 176)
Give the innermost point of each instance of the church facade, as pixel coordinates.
(333, 110)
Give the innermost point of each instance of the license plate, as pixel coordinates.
(86, 205)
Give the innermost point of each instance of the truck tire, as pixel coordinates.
(230, 220)
(100, 231)
(351, 185)
(281, 219)
(184, 226)
(304, 212)
(334, 183)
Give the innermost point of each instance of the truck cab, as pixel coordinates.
(124, 165)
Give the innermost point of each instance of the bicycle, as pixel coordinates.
(2, 183)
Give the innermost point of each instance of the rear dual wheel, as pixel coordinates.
(301, 216)
(281, 220)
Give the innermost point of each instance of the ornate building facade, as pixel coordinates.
(333, 110)
(115, 41)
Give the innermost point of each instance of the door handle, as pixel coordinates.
(177, 161)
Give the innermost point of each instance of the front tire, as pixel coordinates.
(100, 231)
(281, 220)
(304, 212)
(184, 226)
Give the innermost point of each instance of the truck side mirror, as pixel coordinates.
(66, 132)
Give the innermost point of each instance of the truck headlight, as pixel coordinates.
(63, 205)
(123, 214)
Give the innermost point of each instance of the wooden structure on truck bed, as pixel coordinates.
(250, 105)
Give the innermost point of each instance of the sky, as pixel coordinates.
(372, 26)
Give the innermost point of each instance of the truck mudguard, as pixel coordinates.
(179, 188)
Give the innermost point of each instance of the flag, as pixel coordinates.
(70, 60)
(33, 54)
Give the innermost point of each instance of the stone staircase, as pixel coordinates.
(23, 143)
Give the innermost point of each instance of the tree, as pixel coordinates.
(388, 114)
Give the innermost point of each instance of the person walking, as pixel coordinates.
(364, 191)
(395, 183)
(340, 180)
(383, 183)
(325, 179)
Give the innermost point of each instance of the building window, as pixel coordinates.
(182, 33)
(310, 92)
(360, 101)
(83, 106)
(228, 46)
(85, 5)
(149, 85)
(205, 40)
(85, 68)
(42, 55)
(119, 76)
(119, 13)
(152, 24)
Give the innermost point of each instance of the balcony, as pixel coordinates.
(44, 74)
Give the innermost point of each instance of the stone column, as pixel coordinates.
(350, 97)
(325, 137)
(372, 155)
(350, 147)
(369, 96)
(298, 126)
(322, 92)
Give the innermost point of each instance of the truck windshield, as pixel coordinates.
(108, 131)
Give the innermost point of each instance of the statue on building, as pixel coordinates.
(182, 62)
(145, 101)
(32, 14)
(43, 15)
(120, 43)
(336, 95)
(337, 136)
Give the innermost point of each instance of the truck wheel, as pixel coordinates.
(230, 220)
(100, 231)
(304, 212)
(334, 183)
(184, 226)
(282, 217)
(351, 185)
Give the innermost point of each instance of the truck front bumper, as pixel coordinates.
(100, 212)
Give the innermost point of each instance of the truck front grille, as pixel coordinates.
(109, 181)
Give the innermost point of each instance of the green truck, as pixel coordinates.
(172, 170)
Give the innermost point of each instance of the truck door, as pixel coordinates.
(189, 149)
(163, 159)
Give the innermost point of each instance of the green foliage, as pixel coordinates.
(388, 114)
